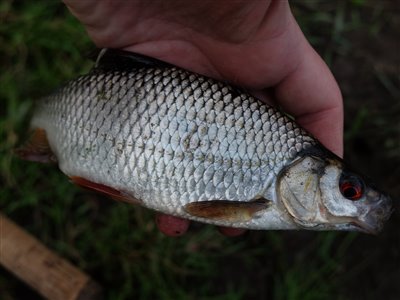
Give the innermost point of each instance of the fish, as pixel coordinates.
(146, 132)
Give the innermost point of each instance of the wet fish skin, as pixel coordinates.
(169, 137)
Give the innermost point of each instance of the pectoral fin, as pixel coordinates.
(103, 189)
(230, 211)
(37, 148)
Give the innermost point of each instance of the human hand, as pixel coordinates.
(253, 44)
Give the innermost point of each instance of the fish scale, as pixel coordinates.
(140, 131)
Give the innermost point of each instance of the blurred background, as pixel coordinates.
(42, 45)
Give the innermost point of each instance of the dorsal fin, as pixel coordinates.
(111, 59)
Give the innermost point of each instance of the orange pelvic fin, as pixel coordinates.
(230, 211)
(37, 148)
(103, 189)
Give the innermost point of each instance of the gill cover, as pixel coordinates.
(298, 189)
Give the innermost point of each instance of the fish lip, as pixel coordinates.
(374, 220)
(366, 228)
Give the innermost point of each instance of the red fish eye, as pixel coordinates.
(352, 190)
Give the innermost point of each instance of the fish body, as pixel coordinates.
(191, 146)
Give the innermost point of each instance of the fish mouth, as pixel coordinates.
(372, 222)
(366, 228)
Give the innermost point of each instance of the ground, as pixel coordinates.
(42, 46)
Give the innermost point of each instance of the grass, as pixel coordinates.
(42, 45)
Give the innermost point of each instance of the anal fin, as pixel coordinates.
(103, 189)
(37, 148)
(224, 210)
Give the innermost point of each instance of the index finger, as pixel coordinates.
(311, 94)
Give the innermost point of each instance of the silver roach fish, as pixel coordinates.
(144, 131)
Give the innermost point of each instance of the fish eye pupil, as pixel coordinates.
(351, 188)
(349, 192)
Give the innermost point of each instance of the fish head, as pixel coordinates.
(320, 193)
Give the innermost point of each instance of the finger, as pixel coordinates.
(231, 232)
(170, 225)
(311, 94)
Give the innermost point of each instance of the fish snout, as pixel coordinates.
(380, 209)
